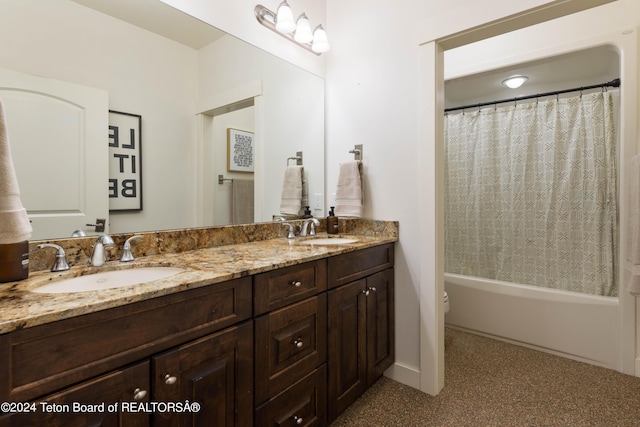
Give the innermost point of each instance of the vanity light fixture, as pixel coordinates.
(515, 81)
(299, 32)
(284, 19)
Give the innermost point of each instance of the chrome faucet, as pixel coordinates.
(98, 254)
(127, 256)
(291, 234)
(305, 226)
(60, 263)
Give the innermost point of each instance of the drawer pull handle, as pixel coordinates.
(296, 283)
(170, 379)
(139, 394)
(298, 343)
(298, 420)
(366, 292)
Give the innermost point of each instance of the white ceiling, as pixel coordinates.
(160, 18)
(583, 68)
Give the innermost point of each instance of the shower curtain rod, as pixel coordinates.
(612, 83)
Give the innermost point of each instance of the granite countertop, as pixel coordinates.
(21, 308)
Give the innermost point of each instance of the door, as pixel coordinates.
(112, 400)
(215, 373)
(58, 134)
(380, 324)
(347, 347)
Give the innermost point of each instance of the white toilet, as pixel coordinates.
(446, 302)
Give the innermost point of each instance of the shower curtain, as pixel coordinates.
(530, 194)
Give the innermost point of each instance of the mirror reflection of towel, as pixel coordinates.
(14, 222)
(292, 190)
(349, 194)
(242, 201)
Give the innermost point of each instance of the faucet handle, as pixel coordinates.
(291, 235)
(127, 256)
(60, 264)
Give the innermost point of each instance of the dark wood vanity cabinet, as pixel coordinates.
(361, 342)
(116, 356)
(289, 347)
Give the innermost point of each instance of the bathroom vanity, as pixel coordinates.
(259, 333)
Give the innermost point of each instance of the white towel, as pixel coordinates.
(292, 190)
(349, 194)
(631, 273)
(242, 201)
(14, 222)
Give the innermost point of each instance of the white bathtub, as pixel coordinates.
(574, 325)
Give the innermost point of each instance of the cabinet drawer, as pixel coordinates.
(284, 286)
(352, 266)
(48, 357)
(290, 343)
(302, 404)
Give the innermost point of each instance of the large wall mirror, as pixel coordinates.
(189, 83)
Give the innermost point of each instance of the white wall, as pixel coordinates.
(237, 18)
(291, 114)
(154, 77)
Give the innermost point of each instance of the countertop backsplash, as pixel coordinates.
(78, 249)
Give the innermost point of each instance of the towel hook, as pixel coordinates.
(297, 158)
(357, 152)
(222, 179)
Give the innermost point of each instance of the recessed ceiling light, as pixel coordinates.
(515, 81)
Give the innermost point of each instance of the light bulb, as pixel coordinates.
(320, 41)
(303, 30)
(515, 81)
(284, 19)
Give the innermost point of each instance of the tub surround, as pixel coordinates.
(208, 256)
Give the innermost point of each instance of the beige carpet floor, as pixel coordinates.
(492, 383)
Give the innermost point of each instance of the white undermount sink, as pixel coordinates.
(107, 280)
(329, 241)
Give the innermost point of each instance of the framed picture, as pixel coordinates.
(125, 162)
(239, 150)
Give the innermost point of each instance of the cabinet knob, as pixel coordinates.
(369, 290)
(296, 283)
(298, 343)
(139, 394)
(298, 420)
(170, 379)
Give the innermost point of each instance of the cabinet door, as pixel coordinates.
(216, 372)
(98, 402)
(347, 351)
(380, 324)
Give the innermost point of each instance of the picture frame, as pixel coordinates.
(240, 150)
(125, 161)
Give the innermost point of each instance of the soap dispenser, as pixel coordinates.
(332, 222)
(307, 213)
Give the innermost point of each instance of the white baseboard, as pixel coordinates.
(405, 375)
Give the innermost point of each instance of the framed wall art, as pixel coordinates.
(125, 161)
(240, 150)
